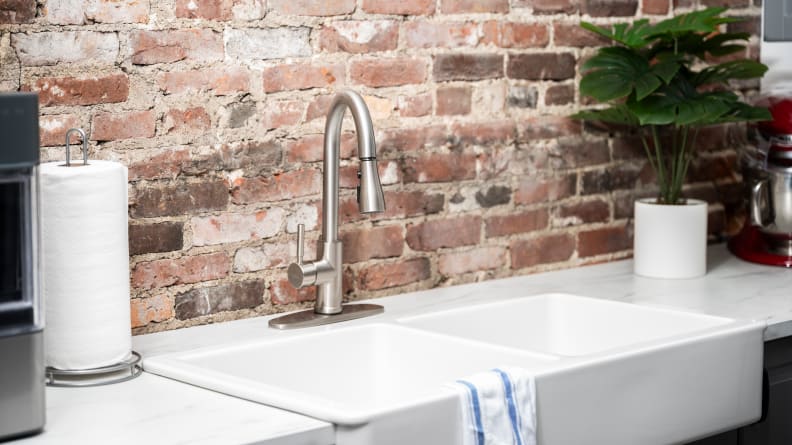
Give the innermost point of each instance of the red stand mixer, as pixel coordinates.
(766, 237)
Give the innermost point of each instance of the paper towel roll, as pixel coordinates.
(85, 253)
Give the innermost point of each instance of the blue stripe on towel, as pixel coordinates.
(474, 400)
(509, 392)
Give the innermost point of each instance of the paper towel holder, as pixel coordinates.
(84, 147)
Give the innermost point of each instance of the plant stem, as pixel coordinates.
(647, 149)
(661, 175)
(681, 162)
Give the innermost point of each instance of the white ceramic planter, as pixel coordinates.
(670, 240)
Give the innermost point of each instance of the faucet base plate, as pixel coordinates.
(309, 318)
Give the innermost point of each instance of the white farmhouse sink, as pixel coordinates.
(563, 324)
(606, 372)
(349, 376)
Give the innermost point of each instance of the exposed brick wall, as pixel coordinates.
(218, 106)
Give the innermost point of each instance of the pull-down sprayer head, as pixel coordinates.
(370, 196)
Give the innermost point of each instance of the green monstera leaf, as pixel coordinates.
(633, 36)
(737, 69)
(618, 114)
(616, 72)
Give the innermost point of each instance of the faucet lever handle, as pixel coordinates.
(301, 274)
(300, 243)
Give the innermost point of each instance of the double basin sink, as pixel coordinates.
(606, 372)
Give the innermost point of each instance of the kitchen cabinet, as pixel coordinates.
(775, 427)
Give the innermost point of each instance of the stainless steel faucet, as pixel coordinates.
(326, 272)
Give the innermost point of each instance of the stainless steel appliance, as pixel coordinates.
(21, 309)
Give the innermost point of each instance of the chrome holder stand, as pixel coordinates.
(309, 318)
(122, 371)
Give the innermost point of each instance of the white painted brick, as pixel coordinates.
(50, 48)
(270, 43)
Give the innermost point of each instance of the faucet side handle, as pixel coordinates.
(300, 243)
(301, 274)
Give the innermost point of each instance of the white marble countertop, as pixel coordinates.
(155, 410)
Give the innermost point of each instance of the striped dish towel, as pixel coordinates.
(498, 407)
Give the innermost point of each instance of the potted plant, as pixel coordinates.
(660, 79)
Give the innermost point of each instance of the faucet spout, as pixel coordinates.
(370, 196)
(326, 272)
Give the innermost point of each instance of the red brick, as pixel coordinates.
(283, 292)
(313, 7)
(544, 66)
(548, 127)
(287, 185)
(431, 34)
(53, 128)
(116, 126)
(224, 297)
(469, 6)
(17, 11)
(549, 6)
(602, 241)
(179, 198)
(234, 227)
(560, 95)
(571, 34)
(515, 35)
(223, 82)
(534, 190)
(310, 148)
(205, 9)
(155, 238)
(388, 72)
(478, 259)
(149, 310)
(440, 167)
(483, 133)
(402, 204)
(658, 7)
(450, 232)
(82, 91)
(190, 120)
(282, 113)
(453, 101)
(398, 140)
(576, 153)
(543, 250)
(414, 105)
(584, 212)
(166, 162)
(620, 177)
(301, 76)
(318, 107)
(374, 242)
(197, 45)
(360, 36)
(404, 7)
(528, 221)
(609, 8)
(468, 66)
(184, 270)
(383, 276)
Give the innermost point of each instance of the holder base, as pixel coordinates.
(122, 371)
(309, 318)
